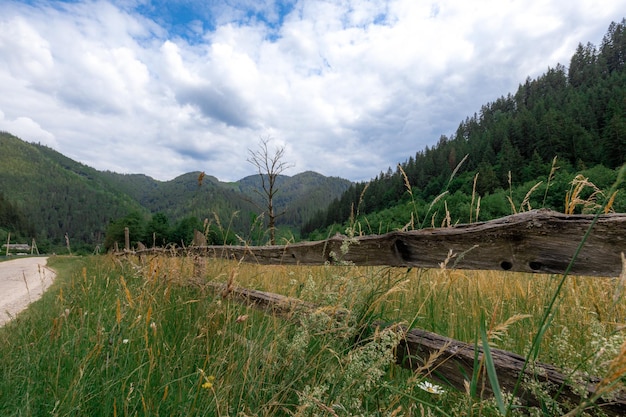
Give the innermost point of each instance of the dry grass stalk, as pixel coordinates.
(526, 201)
(410, 225)
(573, 197)
(432, 220)
(230, 283)
(361, 197)
(447, 221)
(409, 189)
(451, 255)
(407, 184)
(473, 196)
(500, 330)
(439, 197)
(553, 170)
(129, 298)
(427, 367)
(458, 166)
(608, 208)
(510, 196)
(513, 209)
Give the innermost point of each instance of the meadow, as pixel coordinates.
(126, 337)
(150, 336)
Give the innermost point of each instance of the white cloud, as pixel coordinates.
(350, 87)
(27, 129)
(26, 54)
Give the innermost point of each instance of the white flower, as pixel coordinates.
(431, 388)
(125, 341)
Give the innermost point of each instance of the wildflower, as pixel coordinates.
(430, 388)
(208, 380)
(208, 384)
(241, 318)
(125, 341)
(153, 326)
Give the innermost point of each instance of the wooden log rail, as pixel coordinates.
(453, 360)
(538, 241)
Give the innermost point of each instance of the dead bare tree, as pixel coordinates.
(269, 167)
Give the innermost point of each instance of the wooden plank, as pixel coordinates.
(538, 241)
(449, 361)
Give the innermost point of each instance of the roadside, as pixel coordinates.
(22, 281)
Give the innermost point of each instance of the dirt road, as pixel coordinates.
(22, 281)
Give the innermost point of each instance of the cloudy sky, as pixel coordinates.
(348, 87)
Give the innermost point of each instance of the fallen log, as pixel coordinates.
(450, 361)
(538, 241)
(453, 361)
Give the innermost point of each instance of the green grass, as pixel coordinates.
(117, 338)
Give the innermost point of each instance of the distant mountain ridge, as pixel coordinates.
(60, 196)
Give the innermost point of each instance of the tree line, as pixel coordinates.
(158, 231)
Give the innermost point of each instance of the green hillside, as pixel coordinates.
(234, 204)
(183, 196)
(56, 196)
(45, 195)
(299, 196)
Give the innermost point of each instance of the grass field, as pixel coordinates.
(124, 338)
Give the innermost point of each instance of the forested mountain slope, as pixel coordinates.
(576, 114)
(236, 203)
(55, 195)
(45, 195)
(299, 196)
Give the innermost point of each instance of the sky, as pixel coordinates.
(347, 87)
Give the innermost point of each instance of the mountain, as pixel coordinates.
(47, 195)
(576, 114)
(57, 195)
(184, 196)
(299, 197)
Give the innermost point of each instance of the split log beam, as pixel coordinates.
(453, 361)
(538, 241)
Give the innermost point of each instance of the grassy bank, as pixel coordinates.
(118, 338)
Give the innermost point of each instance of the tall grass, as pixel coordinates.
(144, 338)
(119, 339)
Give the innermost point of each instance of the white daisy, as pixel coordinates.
(431, 388)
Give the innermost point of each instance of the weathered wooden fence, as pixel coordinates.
(539, 241)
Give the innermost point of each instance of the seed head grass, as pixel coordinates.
(145, 337)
